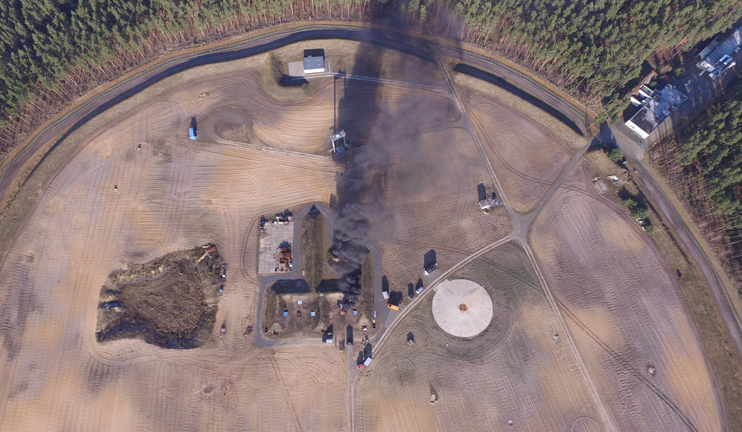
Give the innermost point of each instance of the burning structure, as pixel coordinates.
(358, 214)
(285, 261)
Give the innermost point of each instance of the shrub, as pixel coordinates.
(615, 155)
(640, 213)
(649, 229)
(629, 202)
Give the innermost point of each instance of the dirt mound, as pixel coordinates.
(170, 302)
(232, 124)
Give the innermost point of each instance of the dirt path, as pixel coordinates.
(721, 295)
(682, 223)
(200, 163)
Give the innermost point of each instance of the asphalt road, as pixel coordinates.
(633, 151)
(658, 196)
(413, 46)
(127, 88)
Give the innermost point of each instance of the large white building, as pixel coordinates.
(655, 107)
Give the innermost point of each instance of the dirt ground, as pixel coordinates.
(433, 197)
(517, 366)
(170, 302)
(527, 148)
(624, 311)
(172, 194)
(261, 149)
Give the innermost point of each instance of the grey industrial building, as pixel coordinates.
(717, 57)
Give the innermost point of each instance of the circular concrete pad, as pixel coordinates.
(462, 308)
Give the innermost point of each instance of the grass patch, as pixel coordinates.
(271, 308)
(365, 305)
(293, 325)
(313, 246)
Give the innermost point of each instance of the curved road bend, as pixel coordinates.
(721, 295)
(710, 271)
(119, 92)
(405, 43)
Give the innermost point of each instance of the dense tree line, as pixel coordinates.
(714, 152)
(704, 166)
(53, 49)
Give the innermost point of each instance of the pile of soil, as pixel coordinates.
(170, 302)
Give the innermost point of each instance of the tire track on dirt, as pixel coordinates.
(284, 390)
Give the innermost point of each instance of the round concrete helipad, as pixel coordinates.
(462, 308)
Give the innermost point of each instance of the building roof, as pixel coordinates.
(656, 108)
(709, 49)
(666, 101)
(314, 63)
(711, 56)
(645, 121)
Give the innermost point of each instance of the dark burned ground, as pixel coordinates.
(170, 302)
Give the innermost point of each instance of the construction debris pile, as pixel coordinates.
(285, 262)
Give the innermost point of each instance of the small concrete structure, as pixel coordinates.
(314, 64)
(335, 141)
(656, 107)
(462, 308)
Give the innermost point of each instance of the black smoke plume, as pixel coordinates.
(361, 217)
(376, 133)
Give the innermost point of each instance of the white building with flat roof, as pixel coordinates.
(656, 107)
(314, 64)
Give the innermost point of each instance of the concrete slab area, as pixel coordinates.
(462, 308)
(275, 234)
(296, 69)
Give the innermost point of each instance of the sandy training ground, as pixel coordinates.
(515, 370)
(527, 156)
(262, 149)
(625, 313)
